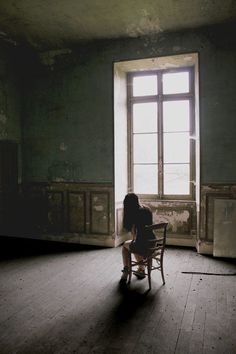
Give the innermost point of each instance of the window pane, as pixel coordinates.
(176, 116)
(145, 148)
(176, 148)
(175, 82)
(145, 117)
(176, 179)
(145, 179)
(145, 85)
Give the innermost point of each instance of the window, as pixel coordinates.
(161, 130)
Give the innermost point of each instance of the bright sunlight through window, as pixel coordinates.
(161, 123)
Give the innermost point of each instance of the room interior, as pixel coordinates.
(66, 164)
(64, 160)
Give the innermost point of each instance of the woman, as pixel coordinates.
(135, 218)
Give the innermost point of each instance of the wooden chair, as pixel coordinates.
(155, 254)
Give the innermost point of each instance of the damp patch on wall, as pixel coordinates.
(63, 171)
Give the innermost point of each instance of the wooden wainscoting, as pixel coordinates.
(99, 212)
(73, 212)
(76, 212)
(209, 193)
(55, 211)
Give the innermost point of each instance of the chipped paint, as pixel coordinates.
(63, 171)
(178, 220)
(3, 134)
(49, 58)
(181, 216)
(176, 48)
(63, 147)
(147, 25)
(5, 37)
(3, 121)
(3, 118)
(98, 208)
(59, 179)
(44, 25)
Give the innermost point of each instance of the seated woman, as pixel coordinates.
(135, 218)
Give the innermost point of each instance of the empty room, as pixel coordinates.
(117, 176)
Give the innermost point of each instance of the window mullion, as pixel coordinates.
(130, 133)
(192, 134)
(160, 136)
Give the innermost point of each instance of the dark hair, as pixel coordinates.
(131, 207)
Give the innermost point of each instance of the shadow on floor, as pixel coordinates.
(15, 247)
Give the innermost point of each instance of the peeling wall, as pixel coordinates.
(10, 139)
(180, 216)
(10, 100)
(10, 123)
(68, 127)
(68, 112)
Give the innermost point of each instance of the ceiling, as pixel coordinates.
(51, 24)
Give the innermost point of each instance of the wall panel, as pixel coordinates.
(209, 194)
(76, 203)
(55, 211)
(99, 212)
(80, 212)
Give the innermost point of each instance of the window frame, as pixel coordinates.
(160, 97)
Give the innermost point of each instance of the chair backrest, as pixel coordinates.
(157, 245)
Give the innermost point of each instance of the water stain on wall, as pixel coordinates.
(63, 171)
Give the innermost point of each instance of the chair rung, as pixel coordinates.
(153, 268)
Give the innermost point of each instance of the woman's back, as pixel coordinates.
(144, 218)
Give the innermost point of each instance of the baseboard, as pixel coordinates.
(182, 242)
(204, 247)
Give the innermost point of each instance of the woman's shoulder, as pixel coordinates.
(144, 208)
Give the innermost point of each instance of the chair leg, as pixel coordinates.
(149, 269)
(130, 268)
(162, 272)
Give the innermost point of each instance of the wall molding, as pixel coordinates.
(73, 212)
(209, 192)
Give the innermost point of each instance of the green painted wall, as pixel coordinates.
(68, 106)
(68, 123)
(218, 109)
(10, 106)
(10, 99)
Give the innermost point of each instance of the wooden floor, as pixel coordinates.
(66, 299)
